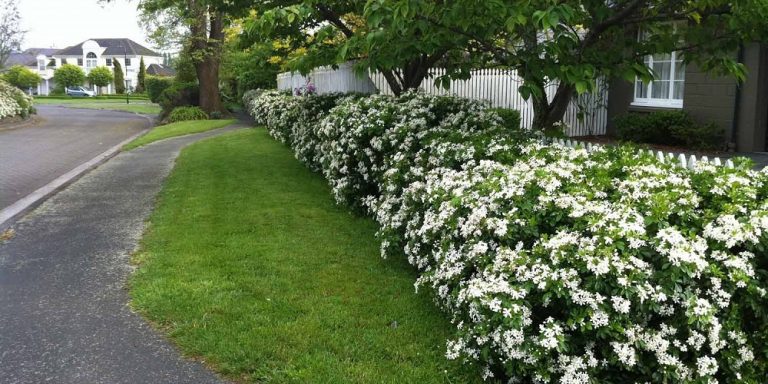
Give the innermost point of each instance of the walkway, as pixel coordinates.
(64, 316)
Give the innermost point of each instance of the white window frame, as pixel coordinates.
(669, 101)
(41, 64)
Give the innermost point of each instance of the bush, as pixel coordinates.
(14, 102)
(668, 128)
(187, 113)
(178, 95)
(554, 263)
(21, 77)
(156, 85)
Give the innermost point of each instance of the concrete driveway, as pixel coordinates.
(34, 155)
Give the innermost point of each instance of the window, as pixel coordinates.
(90, 60)
(127, 62)
(41, 65)
(80, 62)
(109, 62)
(668, 85)
(63, 61)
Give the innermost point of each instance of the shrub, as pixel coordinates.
(178, 95)
(187, 113)
(156, 85)
(100, 76)
(554, 263)
(510, 117)
(668, 128)
(14, 102)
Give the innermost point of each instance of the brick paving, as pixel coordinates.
(34, 155)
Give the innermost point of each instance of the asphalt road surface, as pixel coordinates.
(64, 312)
(33, 156)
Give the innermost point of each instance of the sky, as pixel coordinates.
(61, 23)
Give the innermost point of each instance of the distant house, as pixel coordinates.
(740, 109)
(90, 54)
(36, 60)
(160, 70)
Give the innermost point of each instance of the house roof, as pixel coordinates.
(28, 57)
(160, 70)
(113, 47)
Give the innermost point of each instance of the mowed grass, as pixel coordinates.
(177, 129)
(136, 106)
(249, 264)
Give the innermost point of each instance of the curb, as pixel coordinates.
(23, 206)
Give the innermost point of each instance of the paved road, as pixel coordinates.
(64, 316)
(33, 156)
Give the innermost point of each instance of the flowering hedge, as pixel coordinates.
(13, 102)
(559, 265)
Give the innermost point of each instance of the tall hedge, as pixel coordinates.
(117, 70)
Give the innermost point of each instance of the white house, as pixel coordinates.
(97, 53)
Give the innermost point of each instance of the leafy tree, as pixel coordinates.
(21, 77)
(203, 23)
(119, 77)
(69, 75)
(141, 76)
(11, 34)
(100, 76)
(576, 42)
(249, 67)
(330, 32)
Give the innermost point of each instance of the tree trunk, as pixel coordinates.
(207, 39)
(545, 113)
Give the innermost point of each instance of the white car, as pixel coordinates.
(79, 91)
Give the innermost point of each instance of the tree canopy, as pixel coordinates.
(11, 33)
(119, 77)
(21, 77)
(100, 76)
(69, 75)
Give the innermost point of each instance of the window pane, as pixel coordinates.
(641, 90)
(679, 70)
(662, 70)
(662, 57)
(660, 90)
(679, 90)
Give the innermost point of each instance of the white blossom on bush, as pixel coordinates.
(555, 264)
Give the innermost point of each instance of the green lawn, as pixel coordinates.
(248, 264)
(137, 106)
(176, 129)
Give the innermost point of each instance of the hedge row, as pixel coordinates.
(556, 265)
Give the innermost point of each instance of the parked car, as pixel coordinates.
(79, 91)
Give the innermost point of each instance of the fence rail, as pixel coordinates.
(586, 115)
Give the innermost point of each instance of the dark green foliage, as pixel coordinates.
(187, 113)
(178, 95)
(119, 77)
(668, 128)
(185, 68)
(140, 86)
(155, 86)
(511, 117)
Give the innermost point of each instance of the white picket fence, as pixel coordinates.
(681, 159)
(328, 80)
(498, 86)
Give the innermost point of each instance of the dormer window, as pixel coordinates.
(41, 64)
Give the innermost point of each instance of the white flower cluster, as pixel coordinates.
(13, 102)
(559, 265)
